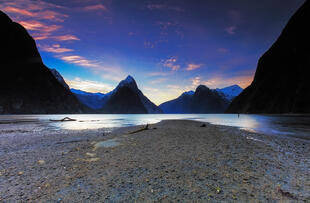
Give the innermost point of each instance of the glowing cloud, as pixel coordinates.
(163, 7)
(10, 9)
(171, 63)
(36, 25)
(56, 48)
(192, 66)
(89, 86)
(97, 7)
(65, 38)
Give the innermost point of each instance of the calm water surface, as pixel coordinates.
(297, 125)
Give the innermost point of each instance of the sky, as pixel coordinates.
(168, 46)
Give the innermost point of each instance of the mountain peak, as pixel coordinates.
(129, 82)
(130, 79)
(201, 87)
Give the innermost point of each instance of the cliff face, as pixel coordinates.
(281, 83)
(26, 84)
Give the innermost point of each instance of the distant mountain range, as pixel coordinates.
(203, 100)
(26, 84)
(127, 98)
(281, 83)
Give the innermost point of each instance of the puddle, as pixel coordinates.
(108, 143)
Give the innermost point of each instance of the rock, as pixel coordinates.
(281, 83)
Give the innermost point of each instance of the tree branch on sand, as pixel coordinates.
(146, 127)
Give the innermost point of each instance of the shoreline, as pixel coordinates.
(173, 159)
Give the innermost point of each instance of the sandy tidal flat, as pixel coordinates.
(172, 160)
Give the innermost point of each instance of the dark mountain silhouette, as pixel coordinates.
(124, 101)
(127, 98)
(59, 78)
(203, 100)
(26, 84)
(281, 83)
(178, 105)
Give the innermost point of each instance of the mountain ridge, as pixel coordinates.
(203, 100)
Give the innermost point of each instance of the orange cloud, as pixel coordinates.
(96, 7)
(171, 63)
(10, 9)
(218, 82)
(65, 38)
(192, 66)
(56, 48)
(36, 25)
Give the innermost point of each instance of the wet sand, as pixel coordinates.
(172, 160)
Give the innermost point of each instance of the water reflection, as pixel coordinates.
(267, 124)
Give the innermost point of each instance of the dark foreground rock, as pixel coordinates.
(26, 84)
(281, 83)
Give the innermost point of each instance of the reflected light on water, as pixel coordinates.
(271, 124)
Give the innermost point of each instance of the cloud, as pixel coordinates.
(96, 7)
(10, 9)
(231, 30)
(39, 17)
(158, 74)
(196, 82)
(219, 82)
(171, 63)
(193, 66)
(55, 48)
(89, 86)
(158, 81)
(36, 25)
(78, 60)
(65, 38)
(37, 9)
(164, 7)
(108, 72)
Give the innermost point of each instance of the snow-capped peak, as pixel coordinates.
(230, 92)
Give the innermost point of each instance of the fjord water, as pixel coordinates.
(289, 125)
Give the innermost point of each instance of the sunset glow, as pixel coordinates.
(168, 46)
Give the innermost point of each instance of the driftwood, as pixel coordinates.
(142, 129)
(64, 119)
